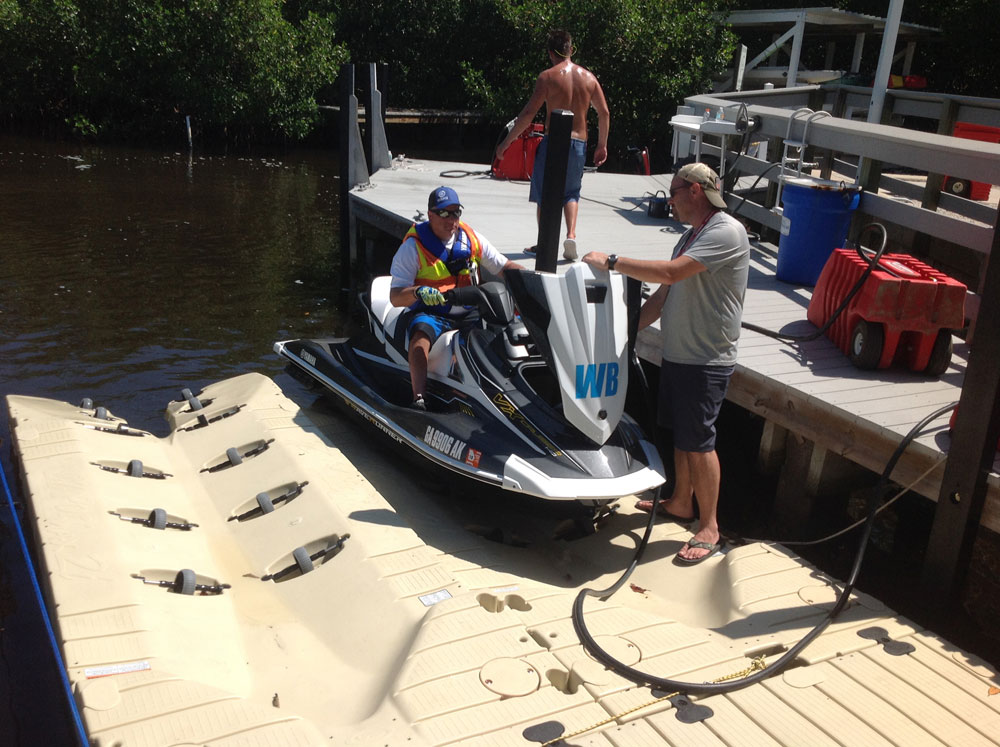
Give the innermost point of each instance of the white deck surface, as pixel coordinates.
(810, 389)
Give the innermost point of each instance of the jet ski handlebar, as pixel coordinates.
(492, 299)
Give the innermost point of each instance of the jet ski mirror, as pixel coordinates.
(492, 299)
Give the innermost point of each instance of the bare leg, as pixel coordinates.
(420, 347)
(570, 210)
(681, 501)
(705, 477)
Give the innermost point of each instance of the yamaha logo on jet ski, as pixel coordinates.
(508, 383)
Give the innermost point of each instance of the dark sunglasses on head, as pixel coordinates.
(456, 213)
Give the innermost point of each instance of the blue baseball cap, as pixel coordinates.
(442, 197)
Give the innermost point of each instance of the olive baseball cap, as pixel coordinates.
(699, 173)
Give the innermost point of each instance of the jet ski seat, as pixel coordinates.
(382, 309)
(389, 316)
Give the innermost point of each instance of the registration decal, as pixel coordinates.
(444, 442)
(472, 457)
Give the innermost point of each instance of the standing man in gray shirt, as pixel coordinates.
(700, 305)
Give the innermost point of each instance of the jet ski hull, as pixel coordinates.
(494, 432)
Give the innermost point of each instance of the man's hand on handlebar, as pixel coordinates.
(430, 296)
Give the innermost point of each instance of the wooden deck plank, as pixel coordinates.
(809, 388)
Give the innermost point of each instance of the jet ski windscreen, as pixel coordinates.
(579, 323)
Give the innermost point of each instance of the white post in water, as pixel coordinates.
(187, 120)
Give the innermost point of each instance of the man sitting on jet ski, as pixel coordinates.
(437, 255)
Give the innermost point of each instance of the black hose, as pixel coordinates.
(461, 173)
(716, 688)
(873, 262)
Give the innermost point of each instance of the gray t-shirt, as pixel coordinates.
(700, 321)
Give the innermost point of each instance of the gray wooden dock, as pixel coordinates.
(808, 389)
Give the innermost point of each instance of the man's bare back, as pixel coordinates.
(569, 86)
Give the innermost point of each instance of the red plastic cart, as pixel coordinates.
(905, 312)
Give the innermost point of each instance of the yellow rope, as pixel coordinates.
(756, 664)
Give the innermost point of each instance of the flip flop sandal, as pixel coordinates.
(713, 550)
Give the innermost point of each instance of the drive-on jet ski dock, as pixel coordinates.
(534, 404)
(262, 576)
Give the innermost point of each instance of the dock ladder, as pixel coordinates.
(795, 163)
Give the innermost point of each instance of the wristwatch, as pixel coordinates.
(612, 260)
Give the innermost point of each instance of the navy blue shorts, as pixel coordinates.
(690, 400)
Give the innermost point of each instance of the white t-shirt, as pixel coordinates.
(406, 262)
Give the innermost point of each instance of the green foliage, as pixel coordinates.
(137, 67)
(486, 54)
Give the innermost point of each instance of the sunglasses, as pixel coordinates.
(675, 190)
(457, 213)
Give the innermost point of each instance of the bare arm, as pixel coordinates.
(662, 271)
(408, 296)
(525, 117)
(651, 309)
(403, 296)
(603, 123)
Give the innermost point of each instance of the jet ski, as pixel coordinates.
(530, 397)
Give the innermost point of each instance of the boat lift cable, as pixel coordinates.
(713, 688)
(81, 733)
(872, 261)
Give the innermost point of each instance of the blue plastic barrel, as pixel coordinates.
(817, 214)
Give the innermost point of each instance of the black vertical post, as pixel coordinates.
(553, 189)
(353, 171)
(633, 302)
(973, 446)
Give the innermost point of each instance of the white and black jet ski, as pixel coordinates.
(534, 404)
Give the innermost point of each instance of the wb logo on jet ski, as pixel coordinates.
(597, 380)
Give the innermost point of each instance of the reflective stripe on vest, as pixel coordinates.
(432, 268)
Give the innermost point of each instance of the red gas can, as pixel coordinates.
(904, 312)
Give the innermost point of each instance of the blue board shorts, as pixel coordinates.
(690, 400)
(574, 171)
(432, 325)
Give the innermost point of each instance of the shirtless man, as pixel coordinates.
(565, 85)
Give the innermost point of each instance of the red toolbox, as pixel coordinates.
(904, 312)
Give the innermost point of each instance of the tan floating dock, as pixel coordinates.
(809, 389)
(413, 630)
